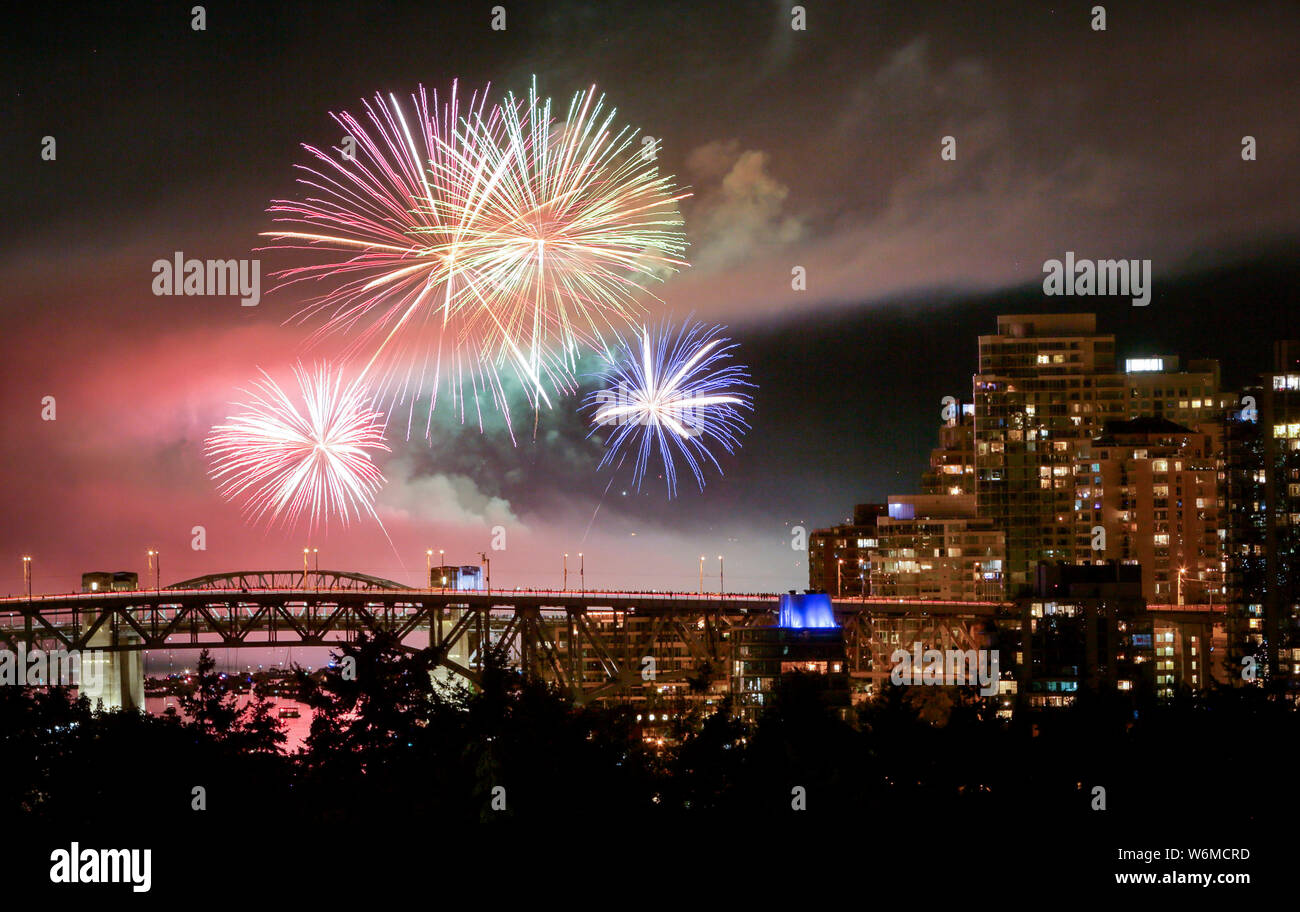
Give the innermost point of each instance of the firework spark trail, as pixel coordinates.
(672, 395)
(601, 501)
(464, 244)
(287, 462)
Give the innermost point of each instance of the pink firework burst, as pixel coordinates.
(288, 459)
(389, 216)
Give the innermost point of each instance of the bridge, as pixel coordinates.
(590, 643)
(288, 579)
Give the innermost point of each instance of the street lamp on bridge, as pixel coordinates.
(155, 565)
(27, 575)
(701, 574)
(1182, 572)
(722, 579)
(582, 573)
(564, 585)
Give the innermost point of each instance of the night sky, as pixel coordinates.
(818, 148)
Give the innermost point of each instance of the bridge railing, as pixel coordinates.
(164, 593)
(223, 594)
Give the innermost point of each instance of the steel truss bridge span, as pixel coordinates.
(591, 644)
(289, 579)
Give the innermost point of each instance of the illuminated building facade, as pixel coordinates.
(1262, 479)
(837, 556)
(806, 641)
(952, 463)
(934, 546)
(1280, 414)
(1046, 385)
(1190, 649)
(1191, 397)
(1084, 627)
(1147, 492)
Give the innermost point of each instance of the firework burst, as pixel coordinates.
(286, 461)
(389, 214)
(670, 395)
(459, 244)
(573, 225)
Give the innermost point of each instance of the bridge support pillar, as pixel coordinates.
(459, 653)
(117, 678)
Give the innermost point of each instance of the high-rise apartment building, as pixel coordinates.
(952, 462)
(1083, 627)
(1193, 397)
(1047, 384)
(1190, 648)
(1262, 485)
(1281, 417)
(935, 546)
(1147, 493)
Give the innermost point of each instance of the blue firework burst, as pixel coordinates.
(668, 395)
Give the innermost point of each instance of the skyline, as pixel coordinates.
(592, 432)
(1065, 142)
(898, 473)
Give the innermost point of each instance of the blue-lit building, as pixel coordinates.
(806, 640)
(810, 611)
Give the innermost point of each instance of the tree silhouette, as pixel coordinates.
(209, 702)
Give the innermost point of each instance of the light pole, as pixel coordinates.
(564, 586)
(701, 574)
(582, 573)
(862, 577)
(315, 556)
(155, 565)
(487, 563)
(839, 577)
(305, 552)
(428, 566)
(27, 575)
(722, 578)
(1210, 583)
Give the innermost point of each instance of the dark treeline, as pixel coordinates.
(387, 747)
